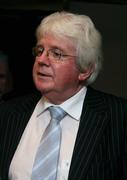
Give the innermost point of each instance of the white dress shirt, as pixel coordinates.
(23, 159)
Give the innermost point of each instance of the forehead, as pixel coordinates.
(60, 42)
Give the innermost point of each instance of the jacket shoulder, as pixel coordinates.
(105, 95)
(21, 103)
(108, 100)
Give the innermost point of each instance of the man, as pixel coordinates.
(68, 58)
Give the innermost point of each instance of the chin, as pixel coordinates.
(43, 88)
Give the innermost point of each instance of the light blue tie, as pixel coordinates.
(46, 160)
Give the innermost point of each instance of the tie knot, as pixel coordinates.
(57, 112)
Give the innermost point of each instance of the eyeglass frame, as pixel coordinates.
(50, 53)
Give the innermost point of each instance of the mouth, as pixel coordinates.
(43, 75)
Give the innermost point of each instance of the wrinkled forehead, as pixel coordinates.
(59, 41)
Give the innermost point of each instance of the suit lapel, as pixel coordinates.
(13, 123)
(92, 124)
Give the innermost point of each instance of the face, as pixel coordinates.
(57, 80)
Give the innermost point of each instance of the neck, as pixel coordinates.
(59, 98)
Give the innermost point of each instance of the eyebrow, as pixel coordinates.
(52, 47)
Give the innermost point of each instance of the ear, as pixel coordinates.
(86, 74)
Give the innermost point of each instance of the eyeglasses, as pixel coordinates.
(52, 54)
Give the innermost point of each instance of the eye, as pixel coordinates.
(37, 51)
(56, 53)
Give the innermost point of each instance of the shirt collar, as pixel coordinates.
(73, 105)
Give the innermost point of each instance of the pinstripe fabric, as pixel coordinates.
(100, 141)
(13, 119)
(100, 151)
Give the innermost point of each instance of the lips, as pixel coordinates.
(43, 74)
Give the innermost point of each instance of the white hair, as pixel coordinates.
(81, 30)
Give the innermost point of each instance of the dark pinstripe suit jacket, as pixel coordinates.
(100, 151)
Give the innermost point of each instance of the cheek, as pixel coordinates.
(34, 69)
(67, 75)
(34, 73)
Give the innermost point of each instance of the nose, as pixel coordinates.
(43, 59)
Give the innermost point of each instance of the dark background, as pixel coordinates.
(19, 19)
